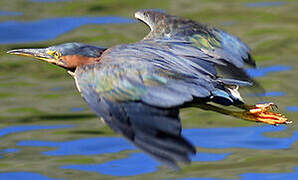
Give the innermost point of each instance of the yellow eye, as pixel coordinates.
(55, 54)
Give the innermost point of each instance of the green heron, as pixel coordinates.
(139, 88)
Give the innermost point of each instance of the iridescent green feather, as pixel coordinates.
(205, 41)
(123, 84)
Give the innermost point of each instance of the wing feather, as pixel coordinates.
(197, 43)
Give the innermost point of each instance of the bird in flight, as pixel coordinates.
(139, 88)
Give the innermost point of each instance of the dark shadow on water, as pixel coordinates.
(265, 4)
(13, 32)
(90, 132)
(55, 117)
(263, 71)
(23, 176)
(17, 129)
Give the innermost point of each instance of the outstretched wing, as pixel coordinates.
(138, 90)
(198, 43)
(136, 102)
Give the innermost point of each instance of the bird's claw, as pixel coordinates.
(260, 113)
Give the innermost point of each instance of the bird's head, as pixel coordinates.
(68, 55)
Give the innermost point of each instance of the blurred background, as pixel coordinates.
(47, 131)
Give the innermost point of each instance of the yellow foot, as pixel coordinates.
(260, 113)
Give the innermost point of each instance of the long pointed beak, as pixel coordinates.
(35, 53)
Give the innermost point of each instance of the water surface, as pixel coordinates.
(265, 4)
(23, 176)
(263, 71)
(17, 129)
(13, 32)
(49, 1)
(269, 94)
(292, 108)
(10, 13)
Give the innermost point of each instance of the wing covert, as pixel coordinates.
(213, 42)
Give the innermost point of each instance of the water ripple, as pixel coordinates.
(46, 29)
(269, 94)
(263, 71)
(270, 176)
(241, 137)
(17, 129)
(265, 4)
(10, 13)
(23, 176)
(86, 146)
(134, 164)
(10, 150)
(292, 108)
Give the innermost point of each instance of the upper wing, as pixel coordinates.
(198, 42)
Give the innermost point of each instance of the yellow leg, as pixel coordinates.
(258, 113)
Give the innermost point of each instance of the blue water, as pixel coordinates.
(10, 13)
(265, 4)
(263, 71)
(269, 94)
(292, 108)
(134, 164)
(77, 109)
(10, 150)
(209, 157)
(17, 129)
(198, 179)
(23, 176)
(271, 176)
(86, 146)
(258, 176)
(241, 137)
(46, 29)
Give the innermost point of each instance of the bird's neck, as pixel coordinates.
(74, 61)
